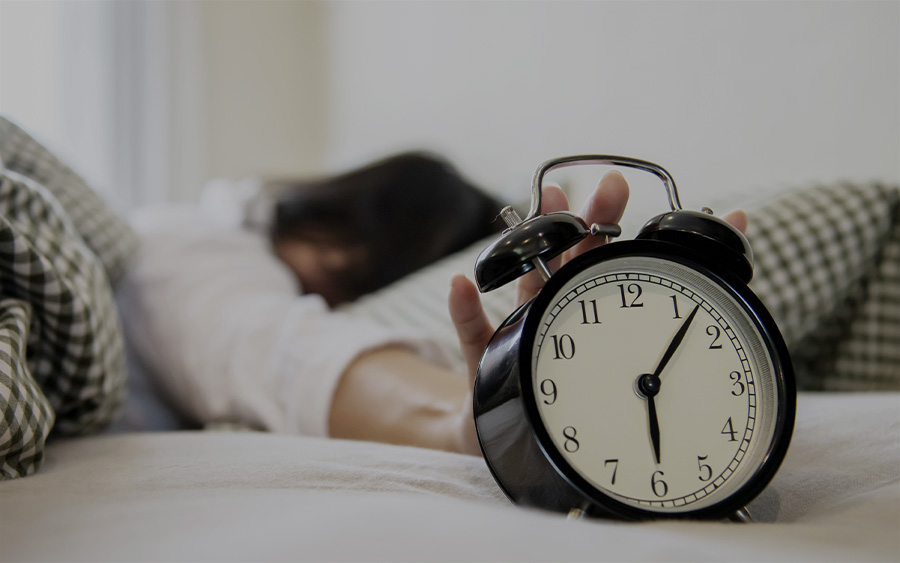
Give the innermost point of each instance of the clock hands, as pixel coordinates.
(676, 341)
(649, 384)
(654, 424)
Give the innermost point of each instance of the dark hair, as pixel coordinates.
(407, 210)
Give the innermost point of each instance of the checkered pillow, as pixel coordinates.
(26, 413)
(827, 267)
(61, 350)
(106, 234)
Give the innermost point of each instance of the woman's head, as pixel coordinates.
(352, 234)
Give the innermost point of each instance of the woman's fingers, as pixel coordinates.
(472, 325)
(738, 220)
(605, 206)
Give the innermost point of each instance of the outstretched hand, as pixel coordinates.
(605, 206)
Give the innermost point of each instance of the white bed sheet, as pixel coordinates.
(244, 496)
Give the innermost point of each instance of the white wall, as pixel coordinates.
(265, 88)
(729, 96)
(62, 102)
(726, 95)
(148, 100)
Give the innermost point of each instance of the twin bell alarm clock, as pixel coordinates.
(645, 379)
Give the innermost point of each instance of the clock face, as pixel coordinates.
(653, 385)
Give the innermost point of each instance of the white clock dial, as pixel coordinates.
(707, 430)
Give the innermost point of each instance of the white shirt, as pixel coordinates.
(220, 324)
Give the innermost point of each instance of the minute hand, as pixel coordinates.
(676, 341)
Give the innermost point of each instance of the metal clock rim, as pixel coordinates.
(786, 408)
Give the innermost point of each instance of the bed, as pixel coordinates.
(246, 496)
(157, 487)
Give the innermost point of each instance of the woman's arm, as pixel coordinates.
(392, 395)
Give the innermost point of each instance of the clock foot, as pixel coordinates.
(575, 514)
(741, 515)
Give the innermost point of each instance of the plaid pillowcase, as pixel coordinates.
(26, 414)
(61, 348)
(106, 234)
(828, 269)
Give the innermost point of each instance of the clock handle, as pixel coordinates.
(529, 243)
(576, 160)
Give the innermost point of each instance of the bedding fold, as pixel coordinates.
(62, 360)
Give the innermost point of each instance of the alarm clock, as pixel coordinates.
(645, 379)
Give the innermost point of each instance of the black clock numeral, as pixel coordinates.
(571, 444)
(563, 347)
(714, 331)
(660, 488)
(633, 289)
(548, 389)
(704, 468)
(736, 378)
(728, 430)
(615, 463)
(675, 305)
(589, 315)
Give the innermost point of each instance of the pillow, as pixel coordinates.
(827, 268)
(61, 351)
(418, 302)
(105, 233)
(26, 413)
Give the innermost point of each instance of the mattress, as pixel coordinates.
(240, 496)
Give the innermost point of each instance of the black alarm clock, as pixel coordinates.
(645, 379)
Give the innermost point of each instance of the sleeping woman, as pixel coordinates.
(217, 318)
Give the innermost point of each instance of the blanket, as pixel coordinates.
(62, 364)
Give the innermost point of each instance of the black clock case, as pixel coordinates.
(517, 448)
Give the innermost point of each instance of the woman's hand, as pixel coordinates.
(605, 206)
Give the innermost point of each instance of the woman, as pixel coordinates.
(217, 318)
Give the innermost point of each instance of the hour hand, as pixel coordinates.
(648, 385)
(654, 427)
